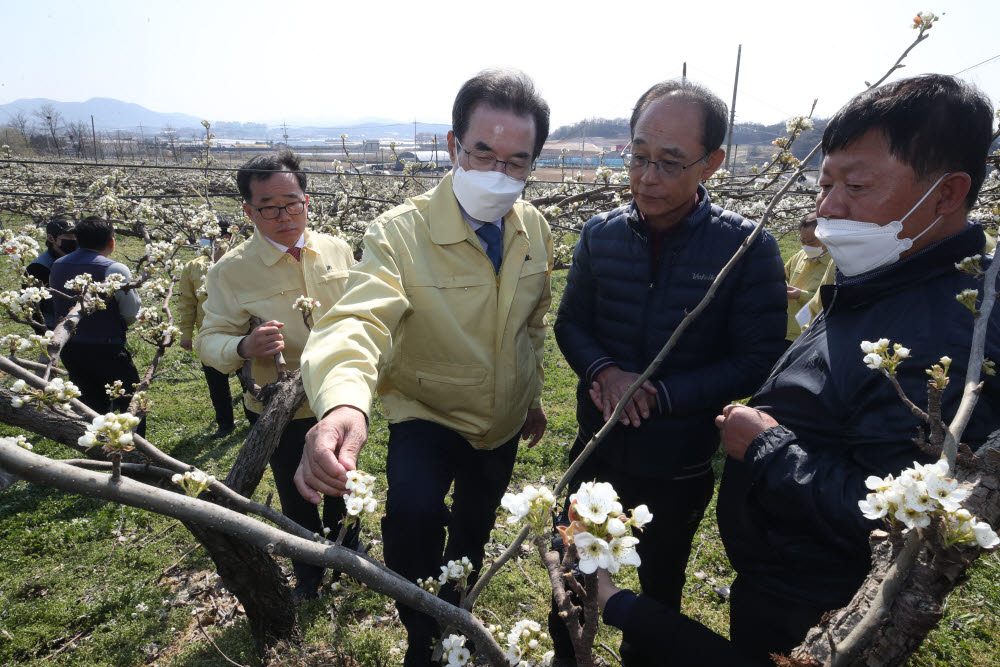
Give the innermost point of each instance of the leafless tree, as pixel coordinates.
(78, 133)
(51, 120)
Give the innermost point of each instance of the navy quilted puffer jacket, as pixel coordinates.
(620, 307)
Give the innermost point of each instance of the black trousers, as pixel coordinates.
(284, 461)
(761, 624)
(93, 365)
(424, 459)
(222, 398)
(664, 544)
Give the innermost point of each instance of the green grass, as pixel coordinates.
(82, 581)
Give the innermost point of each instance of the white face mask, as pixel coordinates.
(858, 247)
(812, 251)
(485, 195)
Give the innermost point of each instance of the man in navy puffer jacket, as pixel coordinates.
(636, 272)
(903, 165)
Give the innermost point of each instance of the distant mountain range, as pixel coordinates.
(108, 113)
(112, 114)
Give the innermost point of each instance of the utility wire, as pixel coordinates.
(978, 64)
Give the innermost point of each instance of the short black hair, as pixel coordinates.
(934, 123)
(94, 233)
(261, 168)
(808, 221)
(713, 124)
(505, 90)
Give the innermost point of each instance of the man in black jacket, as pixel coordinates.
(636, 272)
(903, 165)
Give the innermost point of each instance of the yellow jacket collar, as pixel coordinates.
(269, 255)
(447, 223)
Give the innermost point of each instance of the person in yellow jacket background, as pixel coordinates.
(263, 277)
(191, 295)
(805, 271)
(445, 318)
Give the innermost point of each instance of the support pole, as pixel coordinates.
(732, 108)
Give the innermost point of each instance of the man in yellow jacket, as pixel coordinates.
(445, 318)
(262, 277)
(191, 295)
(805, 272)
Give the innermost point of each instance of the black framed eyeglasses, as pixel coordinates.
(486, 161)
(665, 168)
(272, 212)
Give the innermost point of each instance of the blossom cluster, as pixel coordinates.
(939, 372)
(457, 571)
(113, 430)
(38, 343)
(153, 328)
(968, 298)
(21, 246)
(306, 304)
(798, 124)
(524, 645)
(22, 303)
(597, 528)
(17, 441)
(877, 355)
(193, 482)
(972, 265)
(360, 498)
(57, 392)
(159, 252)
(921, 493)
(533, 504)
(93, 292)
(154, 288)
(453, 651)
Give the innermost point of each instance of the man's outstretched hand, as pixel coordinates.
(331, 450)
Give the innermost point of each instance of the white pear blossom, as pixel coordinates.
(946, 492)
(593, 553)
(454, 653)
(985, 537)
(594, 501)
(616, 527)
(640, 517)
(874, 506)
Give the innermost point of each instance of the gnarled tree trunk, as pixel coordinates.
(904, 621)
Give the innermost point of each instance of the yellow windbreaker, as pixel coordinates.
(806, 274)
(255, 278)
(191, 295)
(427, 323)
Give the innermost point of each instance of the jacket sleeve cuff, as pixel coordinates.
(765, 447)
(330, 397)
(597, 366)
(231, 359)
(663, 398)
(617, 609)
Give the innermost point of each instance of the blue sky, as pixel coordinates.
(297, 60)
